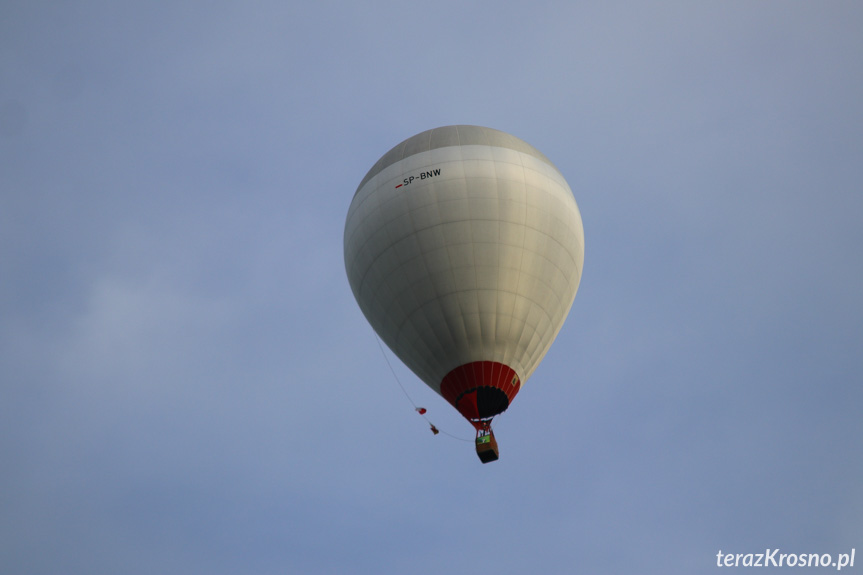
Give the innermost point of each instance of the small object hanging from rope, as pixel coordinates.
(422, 411)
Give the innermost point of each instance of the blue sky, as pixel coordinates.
(187, 385)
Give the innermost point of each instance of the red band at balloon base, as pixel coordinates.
(480, 389)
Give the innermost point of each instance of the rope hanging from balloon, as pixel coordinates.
(418, 409)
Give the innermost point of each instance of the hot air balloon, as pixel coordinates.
(464, 248)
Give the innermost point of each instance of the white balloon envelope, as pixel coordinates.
(464, 248)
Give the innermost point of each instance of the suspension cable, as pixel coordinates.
(407, 395)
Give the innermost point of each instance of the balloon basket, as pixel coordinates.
(486, 446)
